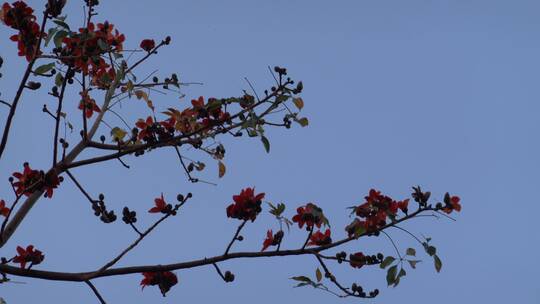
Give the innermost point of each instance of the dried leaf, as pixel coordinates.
(142, 95)
(222, 169)
(298, 102)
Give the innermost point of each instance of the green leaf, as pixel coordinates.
(401, 274)
(60, 35)
(42, 69)
(304, 122)
(301, 279)
(299, 285)
(61, 23)
(391, 275)
(50, 34)
(102, 45)
(266, 143)
(411, 252)
(413, 263)
(437, 262)
(58, 79)
(276, 211)
(387, 261)
(298, 102)
(318, 275)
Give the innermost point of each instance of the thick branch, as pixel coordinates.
(84, 276)
(32, 199)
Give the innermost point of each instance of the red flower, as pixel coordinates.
(20, 17)
(198, 103)
(168, 124)
(272, 239)
(246, 205)
(452, 203)
(27, 179)
(148, 44)
(28, 255)
(88, 105)
(51, 182)
(357, 260)
(320, 239)
(164, 279)
(147, 128)
(404, 205)
(161, 206)
(377, 208)
(3, 209)
(310, 215)
(356, 227)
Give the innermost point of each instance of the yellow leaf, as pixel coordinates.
(222, 169)
(303, 121)
(318, 274)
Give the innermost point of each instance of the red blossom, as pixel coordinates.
(83, 51)
(272, 239)
(148, 44)
(164, 279)
(27, 179)
(88, 105)
(311, 215)
(51, 182)
(452, 203)
(161, 206)
(28, 255)
(3, 209)
(377, 208)
(357, 260)
(147, 128)
(320, 239)
(246, 205)
(20, 17)
(198, 103)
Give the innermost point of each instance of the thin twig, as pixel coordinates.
(96, 292)
(235, 237)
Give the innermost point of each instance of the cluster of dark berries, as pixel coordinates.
(228, 277)
(129, 216)
(101, 210)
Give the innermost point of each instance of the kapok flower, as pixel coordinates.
(27, 179)
(452, 203)
(28, 255)
(310, 215)
(51, 182)
(3, 209)
(320, 239)
(161, 206)
(272, 239)
(20, 17)
(377, 208)
(88, 105)
(148, 44)
(198, 103)
(147, 128)
(246, 205)
(357, 260)
(164, 279)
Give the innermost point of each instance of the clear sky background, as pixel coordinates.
(442, 94)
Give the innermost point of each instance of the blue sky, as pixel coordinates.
(441, 94)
